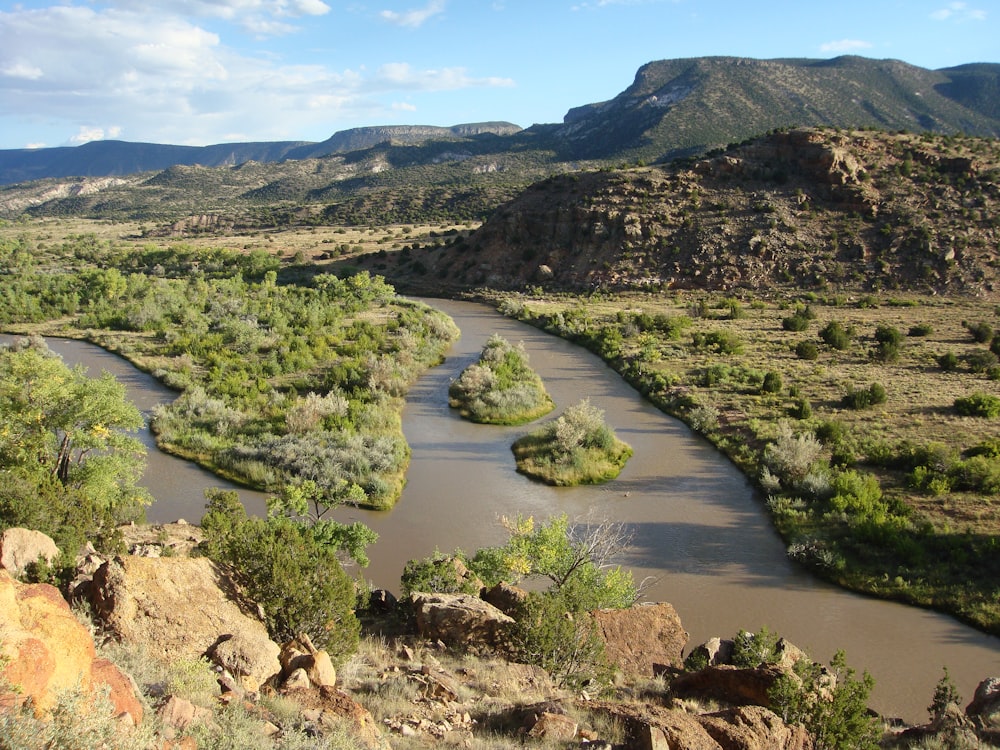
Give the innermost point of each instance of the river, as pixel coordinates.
(700, 531)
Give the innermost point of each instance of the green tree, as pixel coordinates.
(294, 576)
(576, 560)
(64, 442)
(832, 706)
(306, 503)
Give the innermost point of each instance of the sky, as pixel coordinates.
(198, 72)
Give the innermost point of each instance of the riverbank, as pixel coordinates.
(926, 531)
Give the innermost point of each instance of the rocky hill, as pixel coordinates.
(674, 108)
(689, 106)
(804, 208)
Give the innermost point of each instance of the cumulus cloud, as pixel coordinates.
(958, 11)
(88, 134)
(843, 46)
(416, 17)
(161, 78)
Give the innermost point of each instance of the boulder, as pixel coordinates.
(300, 655)
(985, 702)
(554, 728)
(50, 652)
(754, 728)
(712, 652)
(459, 620)
(180, 713)
(21, 547)
(641, 638)
(729, 684)
(327, 708)
(505, 597)
(248, 655)
(180, 608)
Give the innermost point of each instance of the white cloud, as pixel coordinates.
(404, 107)
(416, 17)
(258, 17)
(19, 69)
(402, 75)
(842, 46)
(87, 134)
(163, 79)
(958, 11)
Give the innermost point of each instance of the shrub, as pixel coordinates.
(885, 352)
(887, 334)
(981, 360)
(948, 361)
(795, 323)
(444, 574)
(806, 350)
(802, 409)
(945, 694)
(772, 382)
(753, 649)
(978, 405)
(921, 329)
(864, 398)
(549, 633)
(791, 456)
(721, 342)
(293, 576)
(832, 706)
(981, 332)
(836, 336)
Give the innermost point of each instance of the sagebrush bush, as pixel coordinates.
(792, 455)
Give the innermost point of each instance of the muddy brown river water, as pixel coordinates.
(700, 531)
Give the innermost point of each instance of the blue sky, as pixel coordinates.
(212, 71)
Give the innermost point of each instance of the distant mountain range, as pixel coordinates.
(113, 158)
(674, 108)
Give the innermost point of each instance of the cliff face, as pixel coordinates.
(804, 208)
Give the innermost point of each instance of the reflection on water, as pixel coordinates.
(699, 530)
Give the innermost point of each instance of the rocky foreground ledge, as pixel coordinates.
(439, 650)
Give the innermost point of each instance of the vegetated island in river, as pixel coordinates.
(501, 388)
(577, 447)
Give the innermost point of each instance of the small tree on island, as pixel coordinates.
(576, 448)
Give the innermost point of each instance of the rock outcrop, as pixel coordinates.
(460, 620)
(179, 607)
(642, 639)
(729, 684)
(49, 652)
